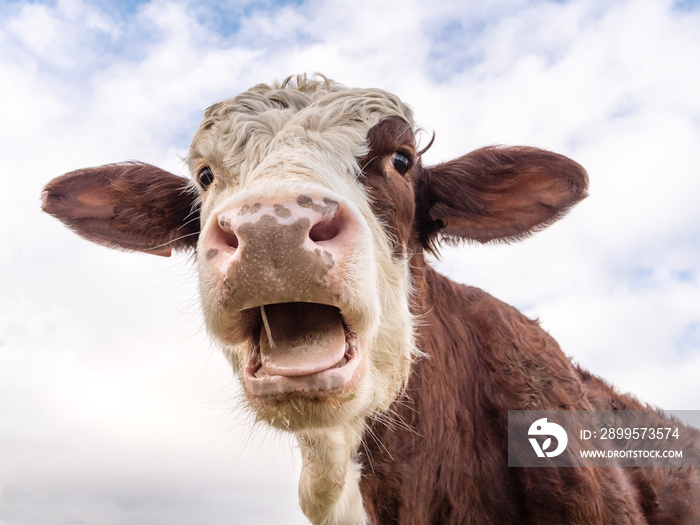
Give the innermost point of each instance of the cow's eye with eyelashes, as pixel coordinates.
(400, 162)
(206, 177)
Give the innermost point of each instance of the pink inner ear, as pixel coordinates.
(97, 204)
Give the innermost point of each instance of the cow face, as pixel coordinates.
(307, 206)
(303, 280)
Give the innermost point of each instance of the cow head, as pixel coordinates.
(307, 208)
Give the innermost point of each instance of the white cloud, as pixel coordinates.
(108, 387)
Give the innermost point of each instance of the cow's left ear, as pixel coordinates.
(496, 193)
(132, 206)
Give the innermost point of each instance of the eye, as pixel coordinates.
(400, 162)
(206, 177)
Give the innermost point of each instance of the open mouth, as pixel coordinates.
(301, 350)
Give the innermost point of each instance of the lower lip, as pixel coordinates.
(325, 384)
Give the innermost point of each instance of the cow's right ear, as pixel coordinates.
(133, 206)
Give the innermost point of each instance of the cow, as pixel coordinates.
(310, 215)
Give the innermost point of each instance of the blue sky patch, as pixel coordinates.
(225, 17)
(686, 5)
(640, 278)
(684, 276)
(455, 48)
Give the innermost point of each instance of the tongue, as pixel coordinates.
(299, 339)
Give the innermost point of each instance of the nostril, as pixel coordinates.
(325, 230)
(230, 239)
(226, 232)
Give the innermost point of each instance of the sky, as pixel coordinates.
(114, 407)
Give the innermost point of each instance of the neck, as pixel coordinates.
(329, 485)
